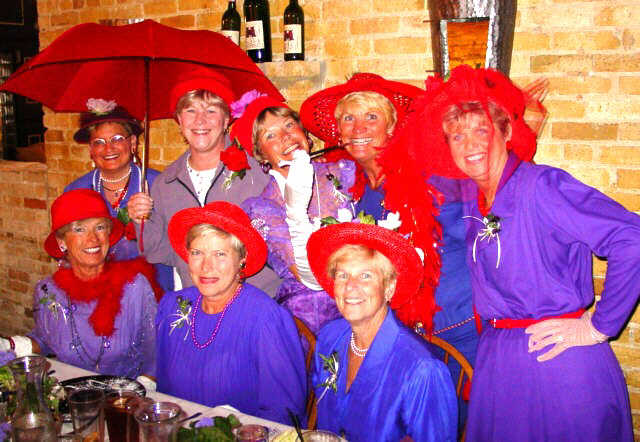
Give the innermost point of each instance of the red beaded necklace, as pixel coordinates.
(217, 327)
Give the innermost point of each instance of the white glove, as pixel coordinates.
(297, 193)
(23, 345)
(298, 186)
(564, 333)
(147, 383)
(5, 345)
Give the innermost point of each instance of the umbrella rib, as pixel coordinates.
(134, 57)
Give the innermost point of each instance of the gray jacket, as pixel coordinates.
(173, 191)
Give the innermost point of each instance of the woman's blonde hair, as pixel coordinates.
(259, 121)
(203, 229)
(350, 252)
(209, 98)
(369, 100)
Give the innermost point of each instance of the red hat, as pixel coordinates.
(226, 216)
(112, 114)
(424, 136)
(317, 111)
(77, 205)
(242, 128)
(394, 246)
(202, 78)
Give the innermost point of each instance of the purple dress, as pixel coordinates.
(550, 224)
(62, 328)
(400, 389)
(255, 363)
(268, 215)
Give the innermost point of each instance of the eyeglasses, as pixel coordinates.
(116, 140)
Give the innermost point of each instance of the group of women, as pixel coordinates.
(432, 209)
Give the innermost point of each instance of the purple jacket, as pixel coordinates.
(173, 191)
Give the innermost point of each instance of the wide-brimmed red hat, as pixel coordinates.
(325, 241)
(242, 128)
(424, 136)
(226, 216)
(117, 114)
(202, 78)
(317, 111)
(77, 205)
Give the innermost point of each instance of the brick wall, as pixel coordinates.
(589, 50)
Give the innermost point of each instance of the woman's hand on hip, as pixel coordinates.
(139, 206)
(562, 334)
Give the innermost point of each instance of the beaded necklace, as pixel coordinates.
(76, 342)
(359, 352)
(217, 327)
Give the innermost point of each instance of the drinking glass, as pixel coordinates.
(87, 414)
(158, 421)
(118, 413)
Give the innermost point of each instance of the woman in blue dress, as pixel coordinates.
(365, 114)
(112, 136)
(224, 341)
(374, 378)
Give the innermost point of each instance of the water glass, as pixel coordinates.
(87, 414)
(158, 421)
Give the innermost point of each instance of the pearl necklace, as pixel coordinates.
(359, 352)
(217, 327)
(116, 180)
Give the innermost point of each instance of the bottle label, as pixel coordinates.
(255, 35)
(234, 36)
(293, 39)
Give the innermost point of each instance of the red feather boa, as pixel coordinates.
(107, 288)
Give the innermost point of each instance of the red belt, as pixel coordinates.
(522, 323)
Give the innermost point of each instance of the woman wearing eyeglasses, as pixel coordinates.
(112, 135)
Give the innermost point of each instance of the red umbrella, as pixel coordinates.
(136, 65)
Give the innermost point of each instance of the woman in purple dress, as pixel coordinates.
(223, 341)
(374, 378)
(298, 196)
(111, 134)
(544, 369)
(92, 313)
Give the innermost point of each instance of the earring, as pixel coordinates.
(62, 248)
(266, 167)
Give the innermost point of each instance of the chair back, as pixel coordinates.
(466, 371)
(311, 409)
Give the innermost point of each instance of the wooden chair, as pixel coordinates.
(311, 408)
(466, 371)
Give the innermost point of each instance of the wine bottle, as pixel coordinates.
(231, 23)
(293, 31)
(258, 30)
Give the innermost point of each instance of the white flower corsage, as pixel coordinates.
(491, 230)
(49, 300)
(182, 316)
(99, 106)
(331, 364)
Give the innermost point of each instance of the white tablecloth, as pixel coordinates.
(65, 371)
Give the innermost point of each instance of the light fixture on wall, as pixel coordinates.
(474, 32)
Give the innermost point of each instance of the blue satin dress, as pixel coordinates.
(400, 389)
